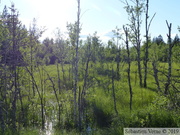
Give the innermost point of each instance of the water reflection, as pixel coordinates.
(48, 128)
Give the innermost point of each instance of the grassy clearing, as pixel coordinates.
(149, 109)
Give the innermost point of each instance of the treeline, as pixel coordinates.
(107, 51)
(26, 86)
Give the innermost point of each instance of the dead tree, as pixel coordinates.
(155, 74)
(171, 45)
(129, 66)
(147, 43)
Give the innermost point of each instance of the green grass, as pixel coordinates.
(146, 108)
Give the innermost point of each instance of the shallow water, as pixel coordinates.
(48, 128)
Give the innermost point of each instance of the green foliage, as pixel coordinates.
(40, 87)
(29, 131)
(176, 54)
(158, 52)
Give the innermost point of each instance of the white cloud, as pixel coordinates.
(105, 36)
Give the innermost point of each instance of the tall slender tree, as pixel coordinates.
(129, 65)
(147, 45)
(135, 13)
(171, 45)
(147, 25)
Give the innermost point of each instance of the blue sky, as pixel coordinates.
(97, 15)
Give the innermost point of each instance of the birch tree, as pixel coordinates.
(135, 13)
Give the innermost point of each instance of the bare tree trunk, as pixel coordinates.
(129, 67)
(147, 46)
(139, 67)
(169, 59)
(147, 43)
(154, 64)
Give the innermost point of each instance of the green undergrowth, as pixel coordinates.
(149, 108)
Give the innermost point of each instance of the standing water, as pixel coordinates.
(48, 128)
